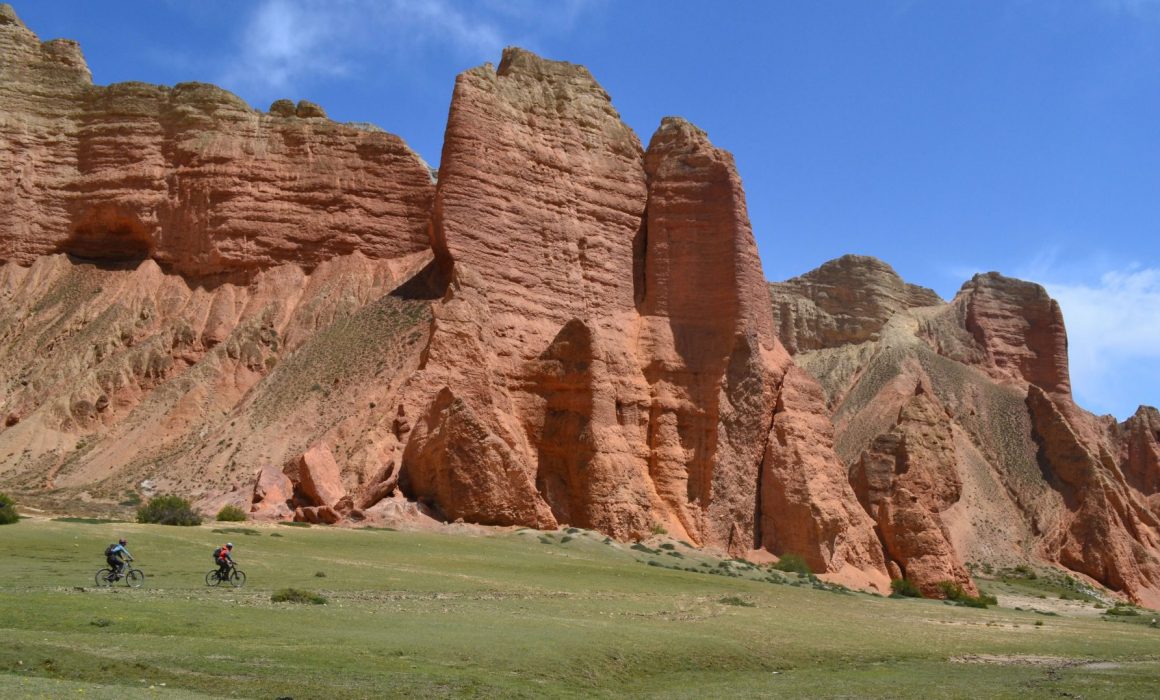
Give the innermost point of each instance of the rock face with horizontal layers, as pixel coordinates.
(605, 329)
(1019, 328)
(189, 176)
(991, 461)
(845, 301)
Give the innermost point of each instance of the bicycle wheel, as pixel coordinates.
(134, 578)
(211, 579)
(102, 578)
(237, 578)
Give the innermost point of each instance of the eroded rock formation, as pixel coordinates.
(189, 176)
(567, 329)
(991, 461)
(605, 330)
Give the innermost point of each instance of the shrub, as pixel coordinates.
(168, 510)
(231, 514)
(738, 601)
(954, 592)
(7, 510)
(1024, 571)
(793, 563)
(1122, 610)
(904, 588)
(658, 529)
(297, 595)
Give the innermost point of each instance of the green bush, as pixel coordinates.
(297, 595)
(1024, 571)
(7, 510)
(168, 510)
(904, 588)
(954, 592)
(793, 563)
(1123, 610)
(231, 514)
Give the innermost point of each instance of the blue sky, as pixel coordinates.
(945, 137)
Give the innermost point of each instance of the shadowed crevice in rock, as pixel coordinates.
(428, 284)
(565, 445)
(640, 263)
(109, 235)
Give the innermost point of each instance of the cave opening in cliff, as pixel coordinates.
(109, 237)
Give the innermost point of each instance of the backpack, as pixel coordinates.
(109, 550)
(217, 553)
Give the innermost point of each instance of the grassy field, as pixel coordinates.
(510, 615)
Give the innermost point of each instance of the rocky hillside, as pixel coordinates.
(276, 311)
(957, 425)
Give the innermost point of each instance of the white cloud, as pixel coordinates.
(286, 44)
(1113, 330)
(1141, 9)
(283, 42)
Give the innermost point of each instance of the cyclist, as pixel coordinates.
(222, 558)
(115, 556)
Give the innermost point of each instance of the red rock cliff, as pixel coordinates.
(189, 176)
(991, 461)
(605, 327)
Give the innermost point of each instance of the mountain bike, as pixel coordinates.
(133, 578)
(235, 576)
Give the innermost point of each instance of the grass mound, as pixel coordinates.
(237, 531)
(297, 595)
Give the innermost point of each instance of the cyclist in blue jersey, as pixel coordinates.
(116, 556)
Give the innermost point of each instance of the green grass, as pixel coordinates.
(433, 616)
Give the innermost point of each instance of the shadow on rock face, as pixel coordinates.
(430, 283)
(108, 236)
